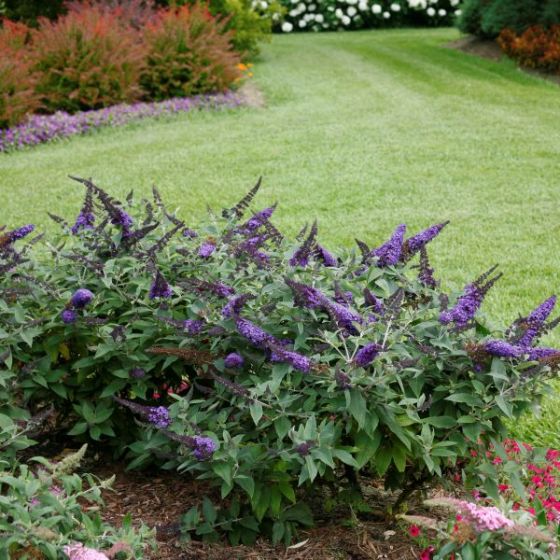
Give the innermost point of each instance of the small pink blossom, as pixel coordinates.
(78, 551)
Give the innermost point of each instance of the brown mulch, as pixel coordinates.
(160, 498)
(489, 49)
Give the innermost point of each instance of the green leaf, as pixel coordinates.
(358, 407)
(224, 471)
(345, 457)
(467, 398)
(282, 426)
(247, 483)
(209, 511)
(256, 411)
(383, 460)
(504, 406)
(367, 446)
(399, 457)
(311, 468)
(278, 530)
(441, 421)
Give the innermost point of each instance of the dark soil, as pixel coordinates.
(489, 49)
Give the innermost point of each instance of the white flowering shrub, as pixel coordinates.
(324, 15)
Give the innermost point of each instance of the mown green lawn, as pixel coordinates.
(363, 131)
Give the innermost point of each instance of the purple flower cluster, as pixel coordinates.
(259, 219)
(20, 233)
(234, 360)
(137, 373)
(159, 417)
(426, 274)
(160, 288)
(470, 301)
(189, 233)
(389, 254)
(371, 300)
(420, 240)
(366, 354)
(234, 305)
(193, 326)
(536, 321)
(69, 316)
(255, 335)
(502, 349)
(206, 249)
(533, 326)
(311, 298)
(298, 361)
(203, 447)
(325, 257)
(85, 220)
(81, 298)
(38, 129)
(465, 309)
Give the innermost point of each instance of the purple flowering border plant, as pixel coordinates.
(266, 366)
(38, 129)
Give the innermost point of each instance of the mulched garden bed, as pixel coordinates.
(160, 498)
(489, 49)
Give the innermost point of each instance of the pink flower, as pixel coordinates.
(414, 531)
(427, 553)
(485, 518)
(78, 551)
(503, 487)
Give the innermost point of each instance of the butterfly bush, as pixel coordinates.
(312, 15)
(260, 366)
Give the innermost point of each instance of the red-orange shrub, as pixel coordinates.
(188, 52)
(87, 59)
(537, 47)
(17, 80)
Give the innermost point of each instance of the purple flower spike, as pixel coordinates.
(366, 354)
(540, 353)
(252, 333)
(306, 296)
(371, 300)
(69, 316)
(325, 257)
(298, 361)
(159, 417)
(137, 373)
(536, 320)
(343, 317)
(258, 219)
(206, 249)
(160, 288)
(193, 326)
(503, 349)
(389, 254)
(416, 242)
(189, 233)
(81, 298)
(303, 449)
(234, 305)
(123, 220)
(20, 233)
(465, 309)
(85, 220)
(234, 360)
(203, 447)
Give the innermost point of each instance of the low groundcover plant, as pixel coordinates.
(38, 129)
(266, 366)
